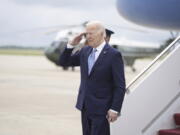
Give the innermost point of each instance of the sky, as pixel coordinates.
(24, 22)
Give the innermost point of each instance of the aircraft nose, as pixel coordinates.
(52, 55)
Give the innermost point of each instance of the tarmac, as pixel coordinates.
(38, 98)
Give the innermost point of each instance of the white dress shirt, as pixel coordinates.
(99, 49)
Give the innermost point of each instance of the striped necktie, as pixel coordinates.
(91, 60)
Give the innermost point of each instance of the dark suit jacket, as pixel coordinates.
(104, 88)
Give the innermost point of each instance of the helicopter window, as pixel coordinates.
(53, 43)
(62, 43)
(57, 50)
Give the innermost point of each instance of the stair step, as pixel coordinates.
(170, 131)
(177, 118)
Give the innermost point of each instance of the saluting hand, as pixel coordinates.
(76, 39)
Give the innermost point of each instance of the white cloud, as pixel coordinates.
(83, 4)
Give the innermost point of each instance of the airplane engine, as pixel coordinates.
(163, 14)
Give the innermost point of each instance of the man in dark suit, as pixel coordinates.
(102, 87)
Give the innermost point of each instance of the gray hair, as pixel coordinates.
(98, 25)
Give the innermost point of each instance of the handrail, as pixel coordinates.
(160, 113)
(151, 64)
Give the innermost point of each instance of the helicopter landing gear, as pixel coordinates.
(66, 68)
(133, 69)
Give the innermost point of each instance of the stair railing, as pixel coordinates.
(171, 47)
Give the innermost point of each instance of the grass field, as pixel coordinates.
(21, 52)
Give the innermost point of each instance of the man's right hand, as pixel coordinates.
(76, 39)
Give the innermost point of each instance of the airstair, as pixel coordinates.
(153, 98)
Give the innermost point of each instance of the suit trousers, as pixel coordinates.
(94, 124)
